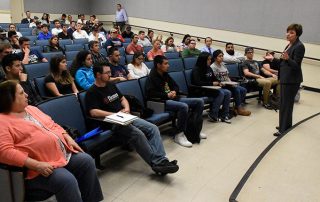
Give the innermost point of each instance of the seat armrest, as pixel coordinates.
(156, 106)
(12, 168)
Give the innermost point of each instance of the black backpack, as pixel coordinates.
(194, 127)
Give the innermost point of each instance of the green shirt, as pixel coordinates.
(190, 53)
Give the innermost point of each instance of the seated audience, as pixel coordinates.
(5, 49)
(82, 19)
(14, 41)
(28, 18)
(185, 42)
(55, 163)
(143, 41)
(13, 70)
(232, 56)
(221, 73)
(59, 82)
(33, 22)
(29, 56)
(160, 85)
(91, 22)
(68, 20)
(63, 18)
(72, 28)
(57, 28)
(65, 34)
(113, 41)
(156, 50)
(137, 68)
(45, 19)
(79, 33)
(118, 71)
(271, 63)
(169, 46)
(54, 46)
(104, 99)
(96, 36)
(97, 57)
(207, 47)
(37, 29)
(191, 51)
(44, 34)
(12, 27)
(81, 70)
(202, 75)
(251, 70)
(150, 35)
(127, 32)
(159, 38)
(134, 47)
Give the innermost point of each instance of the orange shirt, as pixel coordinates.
(20, 139)
(152, 54)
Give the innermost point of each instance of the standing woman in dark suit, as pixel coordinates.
(290, 75)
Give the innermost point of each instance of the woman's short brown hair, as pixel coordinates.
(8, 95)
(297, 28)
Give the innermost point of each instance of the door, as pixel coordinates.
(17, 10)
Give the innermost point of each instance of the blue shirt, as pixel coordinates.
(84, 77)
(206, 49)
(113, 43)
(43, 36)
(119, 71)
(121, 16)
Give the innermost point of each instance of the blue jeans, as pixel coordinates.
(181, 107)
(145, 138)
(219, 97)
(239, 94)
(75, 182)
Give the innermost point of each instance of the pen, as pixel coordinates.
(119, 116)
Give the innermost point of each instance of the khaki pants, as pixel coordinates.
(266, 84)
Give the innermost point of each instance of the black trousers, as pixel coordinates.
(287, 95)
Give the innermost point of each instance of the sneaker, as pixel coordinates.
(203, 136)
(213, 119)
(165, 167)
(242, 112)
(267, 106)
(226, 120)
(181, 139)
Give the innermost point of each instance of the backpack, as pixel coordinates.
(194, 127)
(274, 101)
(137, 106)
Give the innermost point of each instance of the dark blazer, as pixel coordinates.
(290, 70)
(25, 21)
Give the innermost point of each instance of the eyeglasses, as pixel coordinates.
(107, 72)
(140, 58)
(250, 52)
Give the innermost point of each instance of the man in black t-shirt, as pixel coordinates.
(270, 63)
(103, 99)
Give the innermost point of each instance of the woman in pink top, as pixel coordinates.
(156, 50)
(55, 162)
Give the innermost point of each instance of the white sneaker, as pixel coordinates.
(203, 136)
(181, 139)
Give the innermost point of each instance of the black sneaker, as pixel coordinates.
(213, 119)
(267, 106)
(226, 120)
(166, 167)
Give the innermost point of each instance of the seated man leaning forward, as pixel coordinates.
(103, 99)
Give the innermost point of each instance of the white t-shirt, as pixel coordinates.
(82, 35)
(144, 43)
(102, 39)
(56, 31)
(138, 72)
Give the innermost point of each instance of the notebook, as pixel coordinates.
(120, 118)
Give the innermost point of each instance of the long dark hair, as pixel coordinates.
(64, 76)
(167, 41)
(8, 95)
(50, 41)
(135, 56)
(202, 61)
(185, 37)
(79, 61)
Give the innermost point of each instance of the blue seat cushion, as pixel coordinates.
(159, 118)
